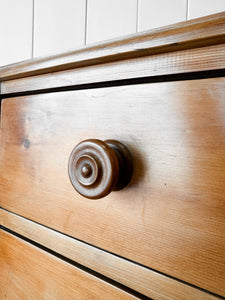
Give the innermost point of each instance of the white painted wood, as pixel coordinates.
(200, 8)
(59, 25)
(157, 13)
(108, 19)
(15, 30)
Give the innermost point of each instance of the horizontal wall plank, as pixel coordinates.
(143, 280)
(193, 60)
(199, 32)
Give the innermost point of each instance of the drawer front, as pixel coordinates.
(30, 273)
(171, 215)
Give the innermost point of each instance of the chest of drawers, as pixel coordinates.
(159, 93)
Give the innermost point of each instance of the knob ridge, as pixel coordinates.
(98, 167)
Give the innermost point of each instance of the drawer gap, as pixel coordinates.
(124, 82)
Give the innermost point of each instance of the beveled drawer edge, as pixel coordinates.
(204, 31)
(19, 259)
(145, 281)
(148, 68)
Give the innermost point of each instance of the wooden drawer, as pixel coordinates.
(171, 216)
(30, 273)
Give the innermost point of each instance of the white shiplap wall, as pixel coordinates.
(32, 28)
(58, 25)
(16, 18)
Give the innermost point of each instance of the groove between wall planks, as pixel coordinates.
(180, 62)
(140, 279)
(185, 35)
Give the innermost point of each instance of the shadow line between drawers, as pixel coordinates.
(124, 273)
(77, 265)
(121, 82)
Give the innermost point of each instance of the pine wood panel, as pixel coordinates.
(30, 273)
(171, 216)
(200, 32)
(143, 280)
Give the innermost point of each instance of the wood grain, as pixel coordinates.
(30, 273)
(180, 62)
(171, 217)
(140, 279)
(200, 32)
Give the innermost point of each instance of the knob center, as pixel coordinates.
(86, 170)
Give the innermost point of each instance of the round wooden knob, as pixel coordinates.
(98, 167)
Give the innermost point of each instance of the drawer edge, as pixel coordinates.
(143, 280)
